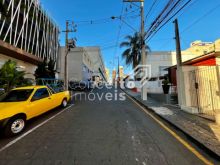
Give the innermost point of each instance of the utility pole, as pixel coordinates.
(143, 54)
(66, 57)
(180, 80)
(118, 70)
(178, 46)
(67, 31)
(143, 51)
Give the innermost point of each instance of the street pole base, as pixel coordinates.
(144, 94)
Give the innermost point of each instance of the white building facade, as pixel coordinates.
(159, 61)
(84, 64)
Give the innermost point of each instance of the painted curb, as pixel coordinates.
(197, 142)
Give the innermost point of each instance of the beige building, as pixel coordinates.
(107, 72)
(199, 88)
(114, 74)
(159, 60)
(84, 64)
(98, 64)
(121, 72)
(201, 48)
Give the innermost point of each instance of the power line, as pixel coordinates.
(134, 4)
(201, 18)
(151, 8)
(118, 35)
(152, 33)
(210, 11)
(105, 20)
(190, 5)
(167, 10)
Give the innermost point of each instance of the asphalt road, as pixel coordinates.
(99, 131)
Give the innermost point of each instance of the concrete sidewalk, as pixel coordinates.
(203, 131)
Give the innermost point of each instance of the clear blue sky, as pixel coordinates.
(105, 31)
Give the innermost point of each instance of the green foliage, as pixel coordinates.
(45, 70)
(51, 66)
(10, 77)
(166, 81)
(132, 53)
(1, 93)
(3, 9)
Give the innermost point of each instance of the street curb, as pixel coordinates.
(194, 140)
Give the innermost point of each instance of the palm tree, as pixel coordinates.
(132, 54)
(10, 77)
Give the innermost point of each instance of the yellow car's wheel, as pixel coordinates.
(64, 103)
(15, 126)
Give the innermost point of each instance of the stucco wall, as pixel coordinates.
(80, 64)
(74, 64)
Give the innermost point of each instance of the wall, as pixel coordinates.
(83, 63)
(97, 60)
(80, 65)
(74, 64)
(159, 61)
(205, 97)
(27, 67)
(165, 59)
(187, 104)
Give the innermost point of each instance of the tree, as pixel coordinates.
(41, 71)
(51, 70)
(45, 70)
(10, 77)
(132, 54)
(3, 9)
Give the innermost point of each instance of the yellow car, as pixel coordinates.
(22, 104)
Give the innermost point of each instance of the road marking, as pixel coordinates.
(177, 137)
(31, 130)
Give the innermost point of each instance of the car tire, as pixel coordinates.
(64, 103)
(15, 126)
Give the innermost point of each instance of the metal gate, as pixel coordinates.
(204, 90)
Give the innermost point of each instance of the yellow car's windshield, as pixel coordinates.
(17, 95)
